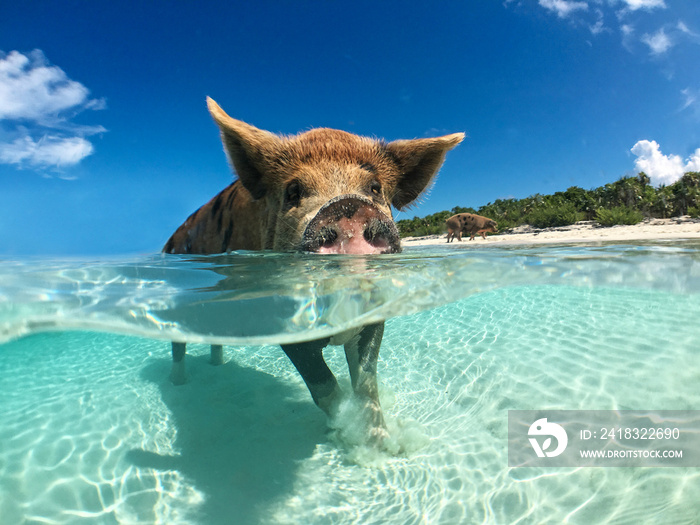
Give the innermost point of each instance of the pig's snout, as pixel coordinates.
(351, 224)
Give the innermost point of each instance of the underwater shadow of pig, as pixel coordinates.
(241, 435)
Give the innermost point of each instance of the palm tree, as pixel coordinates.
(644, 179)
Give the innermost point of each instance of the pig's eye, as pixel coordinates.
(375, 188)
(292, 195)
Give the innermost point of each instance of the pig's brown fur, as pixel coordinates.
(469, 223)
(223, 224)
(250, 214)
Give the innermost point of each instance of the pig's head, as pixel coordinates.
(329, 191)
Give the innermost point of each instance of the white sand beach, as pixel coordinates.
(582, 232)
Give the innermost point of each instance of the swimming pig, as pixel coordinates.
(324, 191)
(469, 223)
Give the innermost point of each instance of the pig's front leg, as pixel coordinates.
(308, 360)
(362, 352)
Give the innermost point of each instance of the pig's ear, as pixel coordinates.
(248, 148)
(418, 161)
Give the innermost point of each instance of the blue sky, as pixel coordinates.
(106, 145)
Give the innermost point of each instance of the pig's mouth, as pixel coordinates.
(351, 224)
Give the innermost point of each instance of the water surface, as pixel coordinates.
(92, 431)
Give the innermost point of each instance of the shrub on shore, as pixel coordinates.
(618, 215)
(553, 216)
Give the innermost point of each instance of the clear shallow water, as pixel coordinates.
(91, 431)
(281, 298)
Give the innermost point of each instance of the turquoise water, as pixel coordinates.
(91, 430)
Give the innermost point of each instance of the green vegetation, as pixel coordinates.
(618, 215)
(561, 214)
(626, 201)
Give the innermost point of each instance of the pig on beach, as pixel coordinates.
(323, 191)
(469, 223)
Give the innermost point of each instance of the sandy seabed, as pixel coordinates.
(582, 232)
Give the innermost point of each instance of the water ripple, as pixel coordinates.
(195, 298)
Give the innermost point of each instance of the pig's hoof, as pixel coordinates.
(377, 435)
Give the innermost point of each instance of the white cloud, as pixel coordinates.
(634, 5)
(563, 8)
(603, 16)
(37, 104)
(627, 36)
(658, 43)
(687, 32)
(599, 26)
(662, 169)
(684, 28)
(694, 161)
(690, 98)
(49, 151)
(30, 89)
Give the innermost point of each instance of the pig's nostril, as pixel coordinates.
(327, 236)
(376, 231)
